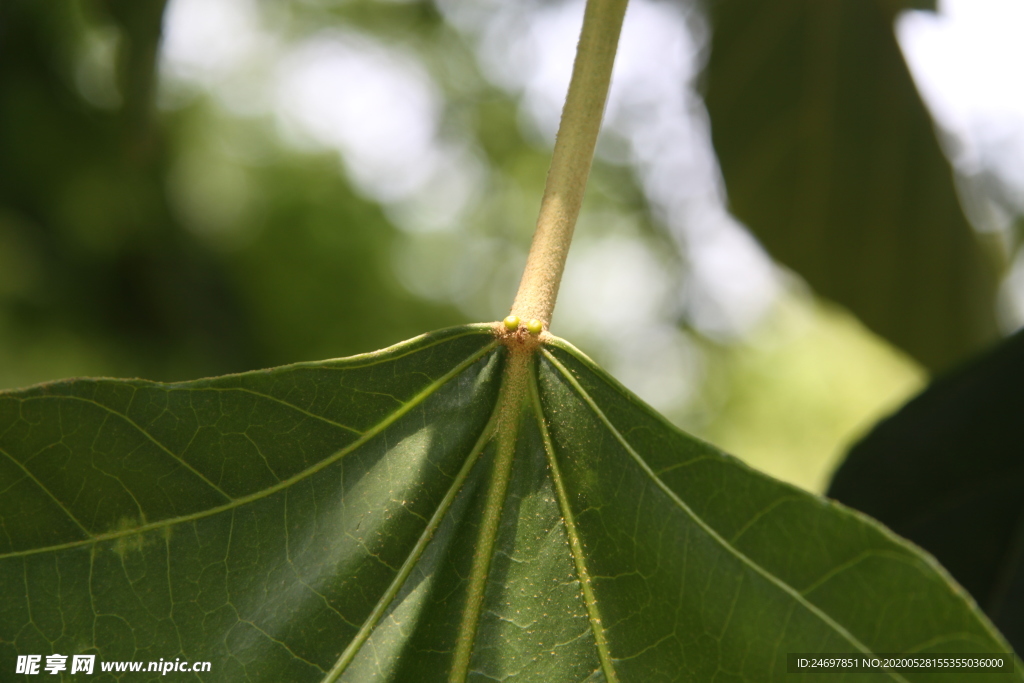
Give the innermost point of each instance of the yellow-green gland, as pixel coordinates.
(535, 326)
(511, 322)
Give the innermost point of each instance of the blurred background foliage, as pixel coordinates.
(213, 186)
(831, 158)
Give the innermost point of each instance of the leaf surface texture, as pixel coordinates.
(324, 521)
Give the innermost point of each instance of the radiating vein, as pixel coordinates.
(510, 407)
(414, 555)
(811, 607)
(575, 545)
(390, 419)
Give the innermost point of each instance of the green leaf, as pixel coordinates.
(947, 472)
(455, 507)
(831, 159)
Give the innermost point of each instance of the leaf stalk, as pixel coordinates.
(571, 160)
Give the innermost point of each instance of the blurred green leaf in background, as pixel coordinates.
(263, 182)
(169, 243)
(947, 472)
(831, 158)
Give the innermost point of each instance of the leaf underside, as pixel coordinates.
(320, 521)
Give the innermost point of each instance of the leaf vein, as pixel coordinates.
(141, 431)
(348, 655)
(308, 472)
(286, 404)
(575, 545)
(48, 492)
(778, 582)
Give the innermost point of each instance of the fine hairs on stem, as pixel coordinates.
(570, 163)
